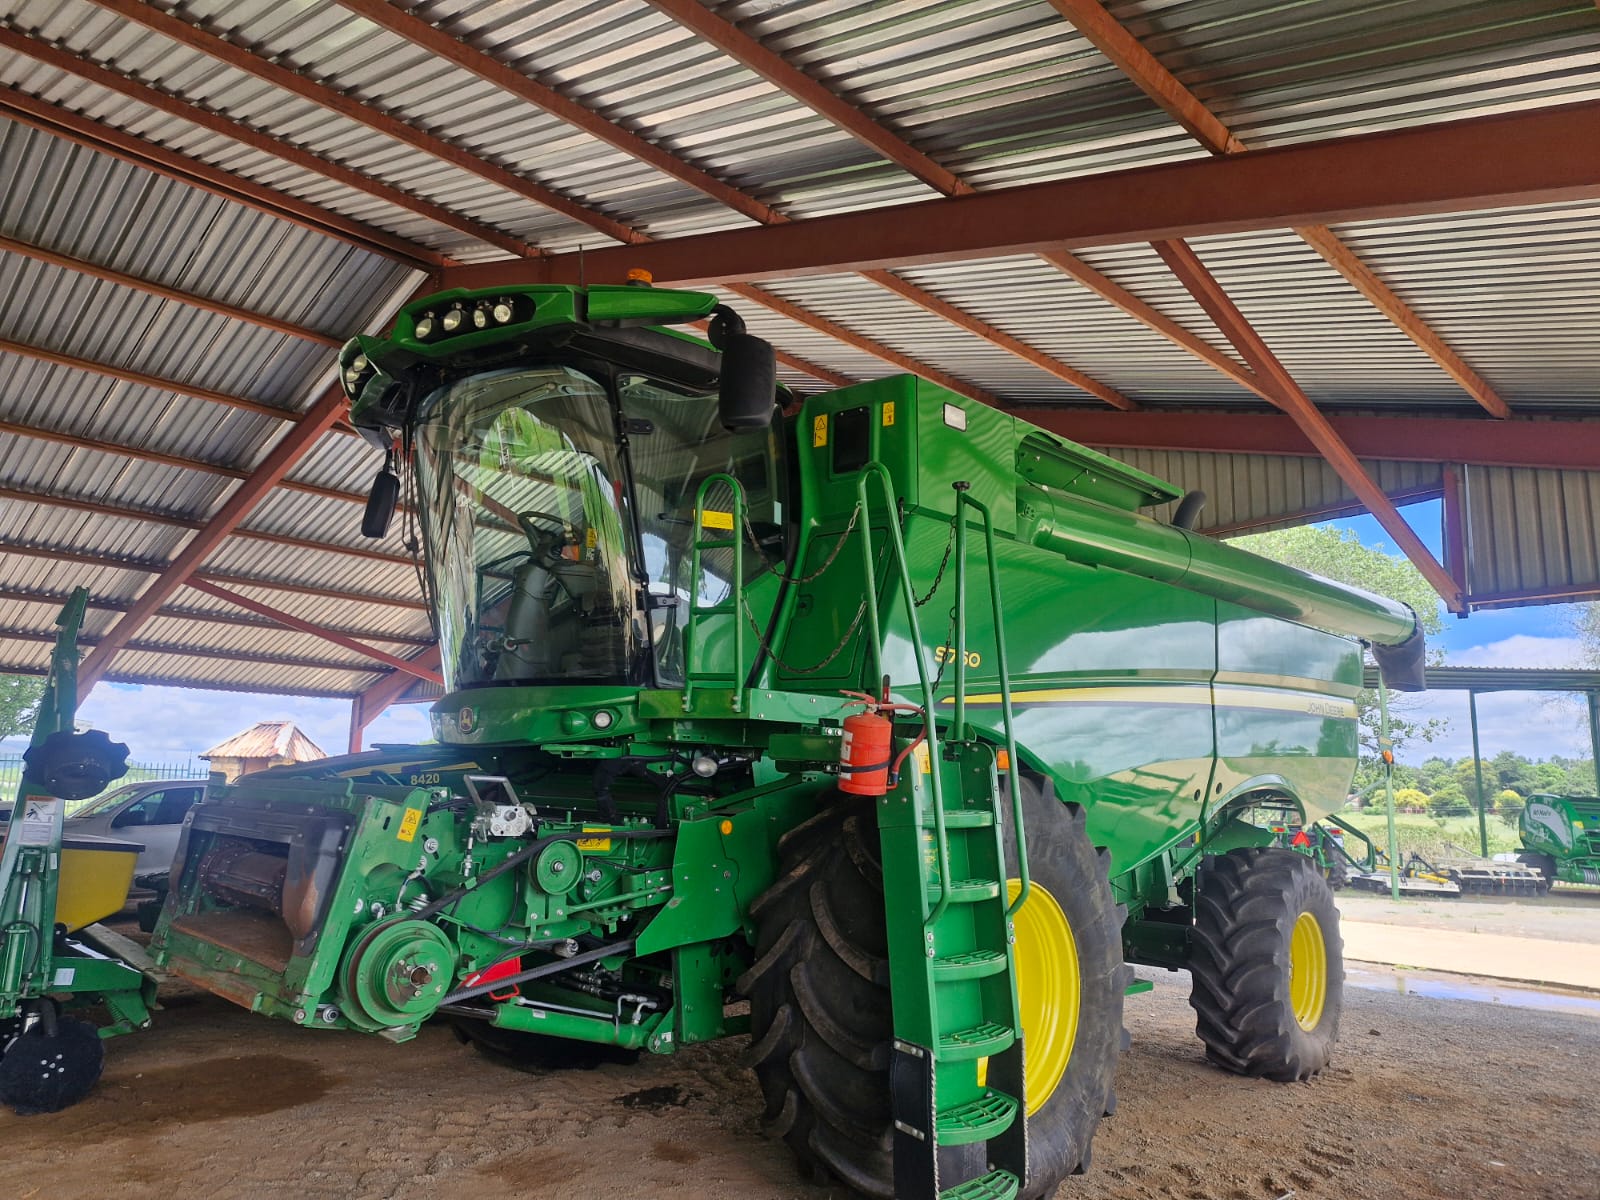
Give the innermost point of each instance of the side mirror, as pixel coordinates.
(749, 388)
(381, 503)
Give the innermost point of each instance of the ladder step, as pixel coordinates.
(970, 964)
(965, 818)
(977, 1120)
(967, 891)
(980, 1041)
(996, 1185)
(717, 545)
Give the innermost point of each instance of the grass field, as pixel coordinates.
(1428, 835)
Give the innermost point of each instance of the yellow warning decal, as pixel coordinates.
(409, 825)
(599, 845)
(819, 431)
(888, 413)
(712, 519)
(924, 759)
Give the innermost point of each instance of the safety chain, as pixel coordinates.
(798, 579)
(764, 648)
(949, 546)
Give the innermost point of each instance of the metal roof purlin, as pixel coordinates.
(242, 58)
(748, 51)
(1192, 273)
(289, 450)
(861, 342)
(223, 654)
(64, 123)
(147, 566)
(54, 600)
(256, 139)
(1361, 177)
(1129, 55)
(289, 621)
(68, 263)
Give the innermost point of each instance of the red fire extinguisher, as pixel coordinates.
(866, 750)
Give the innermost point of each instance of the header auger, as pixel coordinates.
(882, 710)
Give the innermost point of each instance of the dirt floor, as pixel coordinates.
(1428, 1098)
(1566, 914)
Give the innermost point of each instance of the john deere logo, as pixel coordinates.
(466, 720)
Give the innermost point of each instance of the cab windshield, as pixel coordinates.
(558, 513)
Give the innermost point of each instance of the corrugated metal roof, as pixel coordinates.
(1000, 92)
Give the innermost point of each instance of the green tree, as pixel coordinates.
(1448, 801)
(1512, 771)
(1466, 778)
(19, 703)
(1410, 800)
(1338, 554)
(1509, 804)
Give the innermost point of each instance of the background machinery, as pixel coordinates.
(53, 889)
(890, 714)
(1561, 837)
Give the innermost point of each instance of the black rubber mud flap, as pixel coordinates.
(911, 1100)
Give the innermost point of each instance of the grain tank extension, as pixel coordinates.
(881, 730)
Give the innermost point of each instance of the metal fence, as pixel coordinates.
(138, 772)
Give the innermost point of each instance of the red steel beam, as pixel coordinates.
(1186, 265)
(1143, 68)
(246, 135)
(170, 681)
(81, 267)
(1455, 527)
(176, 650)
(1519, 442)
(1427, 169)
(271, 471)
(244, 59)
(289, 621)
(491, 69)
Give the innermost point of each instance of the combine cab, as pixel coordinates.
(882, 711)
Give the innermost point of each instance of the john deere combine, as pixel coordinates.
(883, 712)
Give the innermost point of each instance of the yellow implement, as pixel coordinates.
(96, 873)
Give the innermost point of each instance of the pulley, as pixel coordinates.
(396, 974)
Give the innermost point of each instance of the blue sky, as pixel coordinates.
(171, 724)
(1536, 725)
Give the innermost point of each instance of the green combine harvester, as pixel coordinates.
(880, 729)
(1561, 838)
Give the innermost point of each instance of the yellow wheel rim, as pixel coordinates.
(1049, 989)
(1308, 971)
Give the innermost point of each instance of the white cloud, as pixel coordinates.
(1520, 650)
(1534, 724)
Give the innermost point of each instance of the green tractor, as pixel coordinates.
(1561, 838)
(880, 729)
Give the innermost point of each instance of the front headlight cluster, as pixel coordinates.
(468, 318)
(355, 373)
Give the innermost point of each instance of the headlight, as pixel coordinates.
(452, 320)
(424, 328)
(503, 312)
(480, 317)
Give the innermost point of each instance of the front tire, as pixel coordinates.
(1267, 963)
(820, 1004)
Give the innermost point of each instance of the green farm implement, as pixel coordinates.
(51, 888)
(1561, 838)
(880, 729)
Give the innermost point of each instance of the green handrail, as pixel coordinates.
(966, 500)
(736, 586)
(876, 470)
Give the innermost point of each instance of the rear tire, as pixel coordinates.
(820, 1004)
(1267, 963)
